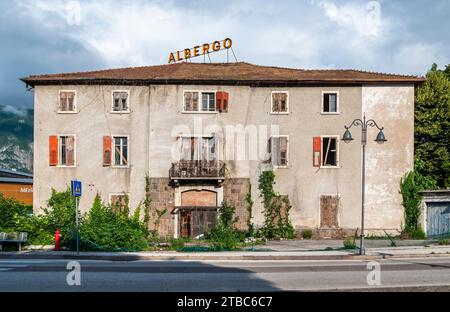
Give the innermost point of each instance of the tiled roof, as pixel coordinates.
(223, 73)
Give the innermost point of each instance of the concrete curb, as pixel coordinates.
(249, 256)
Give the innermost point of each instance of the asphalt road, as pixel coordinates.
(427, 274)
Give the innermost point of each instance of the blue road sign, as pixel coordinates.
(76, 188)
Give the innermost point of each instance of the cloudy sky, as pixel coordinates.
(49, 36)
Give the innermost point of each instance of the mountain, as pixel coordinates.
(16, 138)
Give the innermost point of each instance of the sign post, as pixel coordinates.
(76, 192)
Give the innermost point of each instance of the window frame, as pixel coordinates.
(74, 151)
(337, 112)
(287, 112)
(287, 151)
(337, 166)
(75, 106)
(128, 111)
(200, 102)
(113, 154)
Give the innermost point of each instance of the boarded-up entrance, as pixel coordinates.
(438, 218)
(198, 212)
(329, 205)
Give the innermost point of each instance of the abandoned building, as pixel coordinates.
(204, 133)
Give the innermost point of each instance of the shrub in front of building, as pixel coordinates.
(8, 209)
(106, 228)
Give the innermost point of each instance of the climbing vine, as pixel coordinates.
(275, 224)
(249, 200)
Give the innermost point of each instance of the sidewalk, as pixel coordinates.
(279, 253)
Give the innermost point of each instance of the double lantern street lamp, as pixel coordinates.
(347, 138)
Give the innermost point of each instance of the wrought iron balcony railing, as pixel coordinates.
(197, 169)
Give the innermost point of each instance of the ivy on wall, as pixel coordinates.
(276, 225)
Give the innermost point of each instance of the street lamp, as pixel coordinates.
(380, 139)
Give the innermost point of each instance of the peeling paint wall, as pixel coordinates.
(393, 109)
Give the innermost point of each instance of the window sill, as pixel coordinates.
(330, 113)
(120, 167)
(330, 167)
(281, 167)
(67, 112)
(63, 166)
(201, 112)
(281, 113)
(119, 112)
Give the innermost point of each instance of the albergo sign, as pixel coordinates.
(200, 50)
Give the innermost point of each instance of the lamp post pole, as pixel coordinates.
(347, 138)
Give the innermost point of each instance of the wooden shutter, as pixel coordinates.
(316, 151)
(219, 98)
(70, 151)
(53, 150)
(107, 149)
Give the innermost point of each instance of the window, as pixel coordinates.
(279, 102)
(329, 151)
(191, 101)
(120, 154)
(330, 102)
(198, 148)
(118, 202)
(67, 102)
(208, 102)
(279, 150)
(66, 150)
(120, 102)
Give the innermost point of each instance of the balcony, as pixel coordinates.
(197, 170)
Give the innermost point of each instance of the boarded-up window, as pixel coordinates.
(120, 151)
(120, 101)
(279, 150)
(67, 101)
(119, 201)
(66, 150)
(191, 101)
(330, 102)
(329, 205)
(279, 102)
(329, 151)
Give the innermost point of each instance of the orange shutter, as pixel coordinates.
(53, 150)
(222, 101)
(219, 101)
(316, 151)
(107, 143)
(225, 102)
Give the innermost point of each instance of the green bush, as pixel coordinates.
(8, 209)
(105, 228)
(444, 241)
(37, 227)
(307, 233)
(224, 235)
(349, 243)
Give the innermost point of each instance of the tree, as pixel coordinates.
(432, 124)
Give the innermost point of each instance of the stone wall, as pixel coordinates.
(234, 193)
(163, 196)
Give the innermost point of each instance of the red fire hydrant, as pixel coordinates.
(57, 237)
